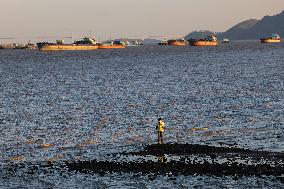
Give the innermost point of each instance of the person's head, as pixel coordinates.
(159, 119)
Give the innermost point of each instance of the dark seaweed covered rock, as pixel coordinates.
(185, 167)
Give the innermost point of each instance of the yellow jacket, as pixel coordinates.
(160, 126)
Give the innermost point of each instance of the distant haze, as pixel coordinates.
(32, 19)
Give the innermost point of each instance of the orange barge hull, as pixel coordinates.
(112, 47)
(270, 40)
(177, 43)
(204, 43)
(53, 47)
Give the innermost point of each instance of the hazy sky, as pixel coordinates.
(26, 19)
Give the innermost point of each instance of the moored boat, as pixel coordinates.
(177, 42)
(163, 42)
(134, 43)
(7, 46)
(208, 41)
(86, 43)
(29, 46)
(226, 41)
(112, 45)
(275, 38)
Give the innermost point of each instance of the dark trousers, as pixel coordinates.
(160, 137)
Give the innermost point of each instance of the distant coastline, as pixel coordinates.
(251, 29)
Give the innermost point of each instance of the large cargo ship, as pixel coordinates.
(275, 38)
(208, 41)
(86, 43)
(112, 45)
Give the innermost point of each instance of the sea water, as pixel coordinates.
(85, 105)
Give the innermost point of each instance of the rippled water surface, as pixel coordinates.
(83, 105)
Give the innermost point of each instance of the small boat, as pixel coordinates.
(134, 43)
(208, 41)
(29, 46)
(163, 42)
(86, 43)
(7, 46)
(226, 41)
(18, 46)
(177, 42)
(275, 38)
(112, 45)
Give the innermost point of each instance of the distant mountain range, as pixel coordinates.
(199, 34)
(248, 30)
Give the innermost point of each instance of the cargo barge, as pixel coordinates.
(275, 38)
(112, 45)
(86, 43)
(208, 41)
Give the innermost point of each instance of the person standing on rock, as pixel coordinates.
(160, 128)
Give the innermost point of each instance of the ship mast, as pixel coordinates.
(72, 37)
